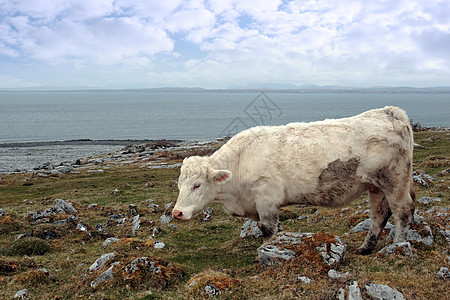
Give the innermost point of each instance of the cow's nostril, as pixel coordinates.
(177, 214)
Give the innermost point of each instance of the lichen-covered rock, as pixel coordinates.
(383, 292)
(334, 252)
(142, 263)
(211, 284)
(151, 270)
(250, 229)
(287, 245)
(398, 248)
(101, 261)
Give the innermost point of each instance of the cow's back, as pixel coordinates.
(295, 155)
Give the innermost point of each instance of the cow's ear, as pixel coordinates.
(220, 176)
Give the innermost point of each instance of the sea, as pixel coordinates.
(37, 116)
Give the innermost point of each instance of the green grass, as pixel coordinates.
(200, 247)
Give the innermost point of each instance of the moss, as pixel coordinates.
(29, 246)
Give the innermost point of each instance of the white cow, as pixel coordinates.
(327, 163)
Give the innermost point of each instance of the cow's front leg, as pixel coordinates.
(268, 220)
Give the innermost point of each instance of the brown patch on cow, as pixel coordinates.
(336, 182)
(339, 170)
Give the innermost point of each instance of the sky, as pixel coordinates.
(223, 43)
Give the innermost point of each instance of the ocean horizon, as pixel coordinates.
(43, 116)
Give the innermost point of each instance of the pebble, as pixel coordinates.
(22, 294)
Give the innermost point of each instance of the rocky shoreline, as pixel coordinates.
(45, 158)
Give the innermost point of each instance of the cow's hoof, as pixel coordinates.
(363, 251)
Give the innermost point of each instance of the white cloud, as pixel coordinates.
(234, 41)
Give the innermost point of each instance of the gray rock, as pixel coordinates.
(446, 234)
(93, 205)
(250, 229)
(165, 219)
(133, 211)
(302, 218)
(341, 295)
(424, 200)
(142, 263)
(173, 226)
(96, 161)
(22, 294)
(392, 249)
(207, 214)
(333, 274)
(272, 252)
(136, 224)
(158, 245)
(305, 279)
(354, 292)
(2, 212)
(443, 273)
(439, 210)
(414, 235)
(100, 228)
(383, 292)
(64, 169)
(154, 207)
(336, 254)
(81, 227)
(101, 261)
(365, 226)
(211, 290)
(445, 172)
(107, 275)
(109, 241)
(423, 178)
(116, 220)
(62, 206)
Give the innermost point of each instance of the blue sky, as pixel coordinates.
(223, 43)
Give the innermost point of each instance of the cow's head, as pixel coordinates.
(198, 185)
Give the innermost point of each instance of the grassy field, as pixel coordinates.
(197, 253)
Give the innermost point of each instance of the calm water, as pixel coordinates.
(48, 116)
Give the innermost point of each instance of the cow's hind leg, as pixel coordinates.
(402, 206)
(379, 214)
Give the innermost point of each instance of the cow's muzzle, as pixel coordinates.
(177, 214)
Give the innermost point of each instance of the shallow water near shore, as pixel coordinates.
(120, 115)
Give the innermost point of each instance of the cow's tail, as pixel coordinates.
(401, 115)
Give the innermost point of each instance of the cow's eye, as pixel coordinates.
(196, 186)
